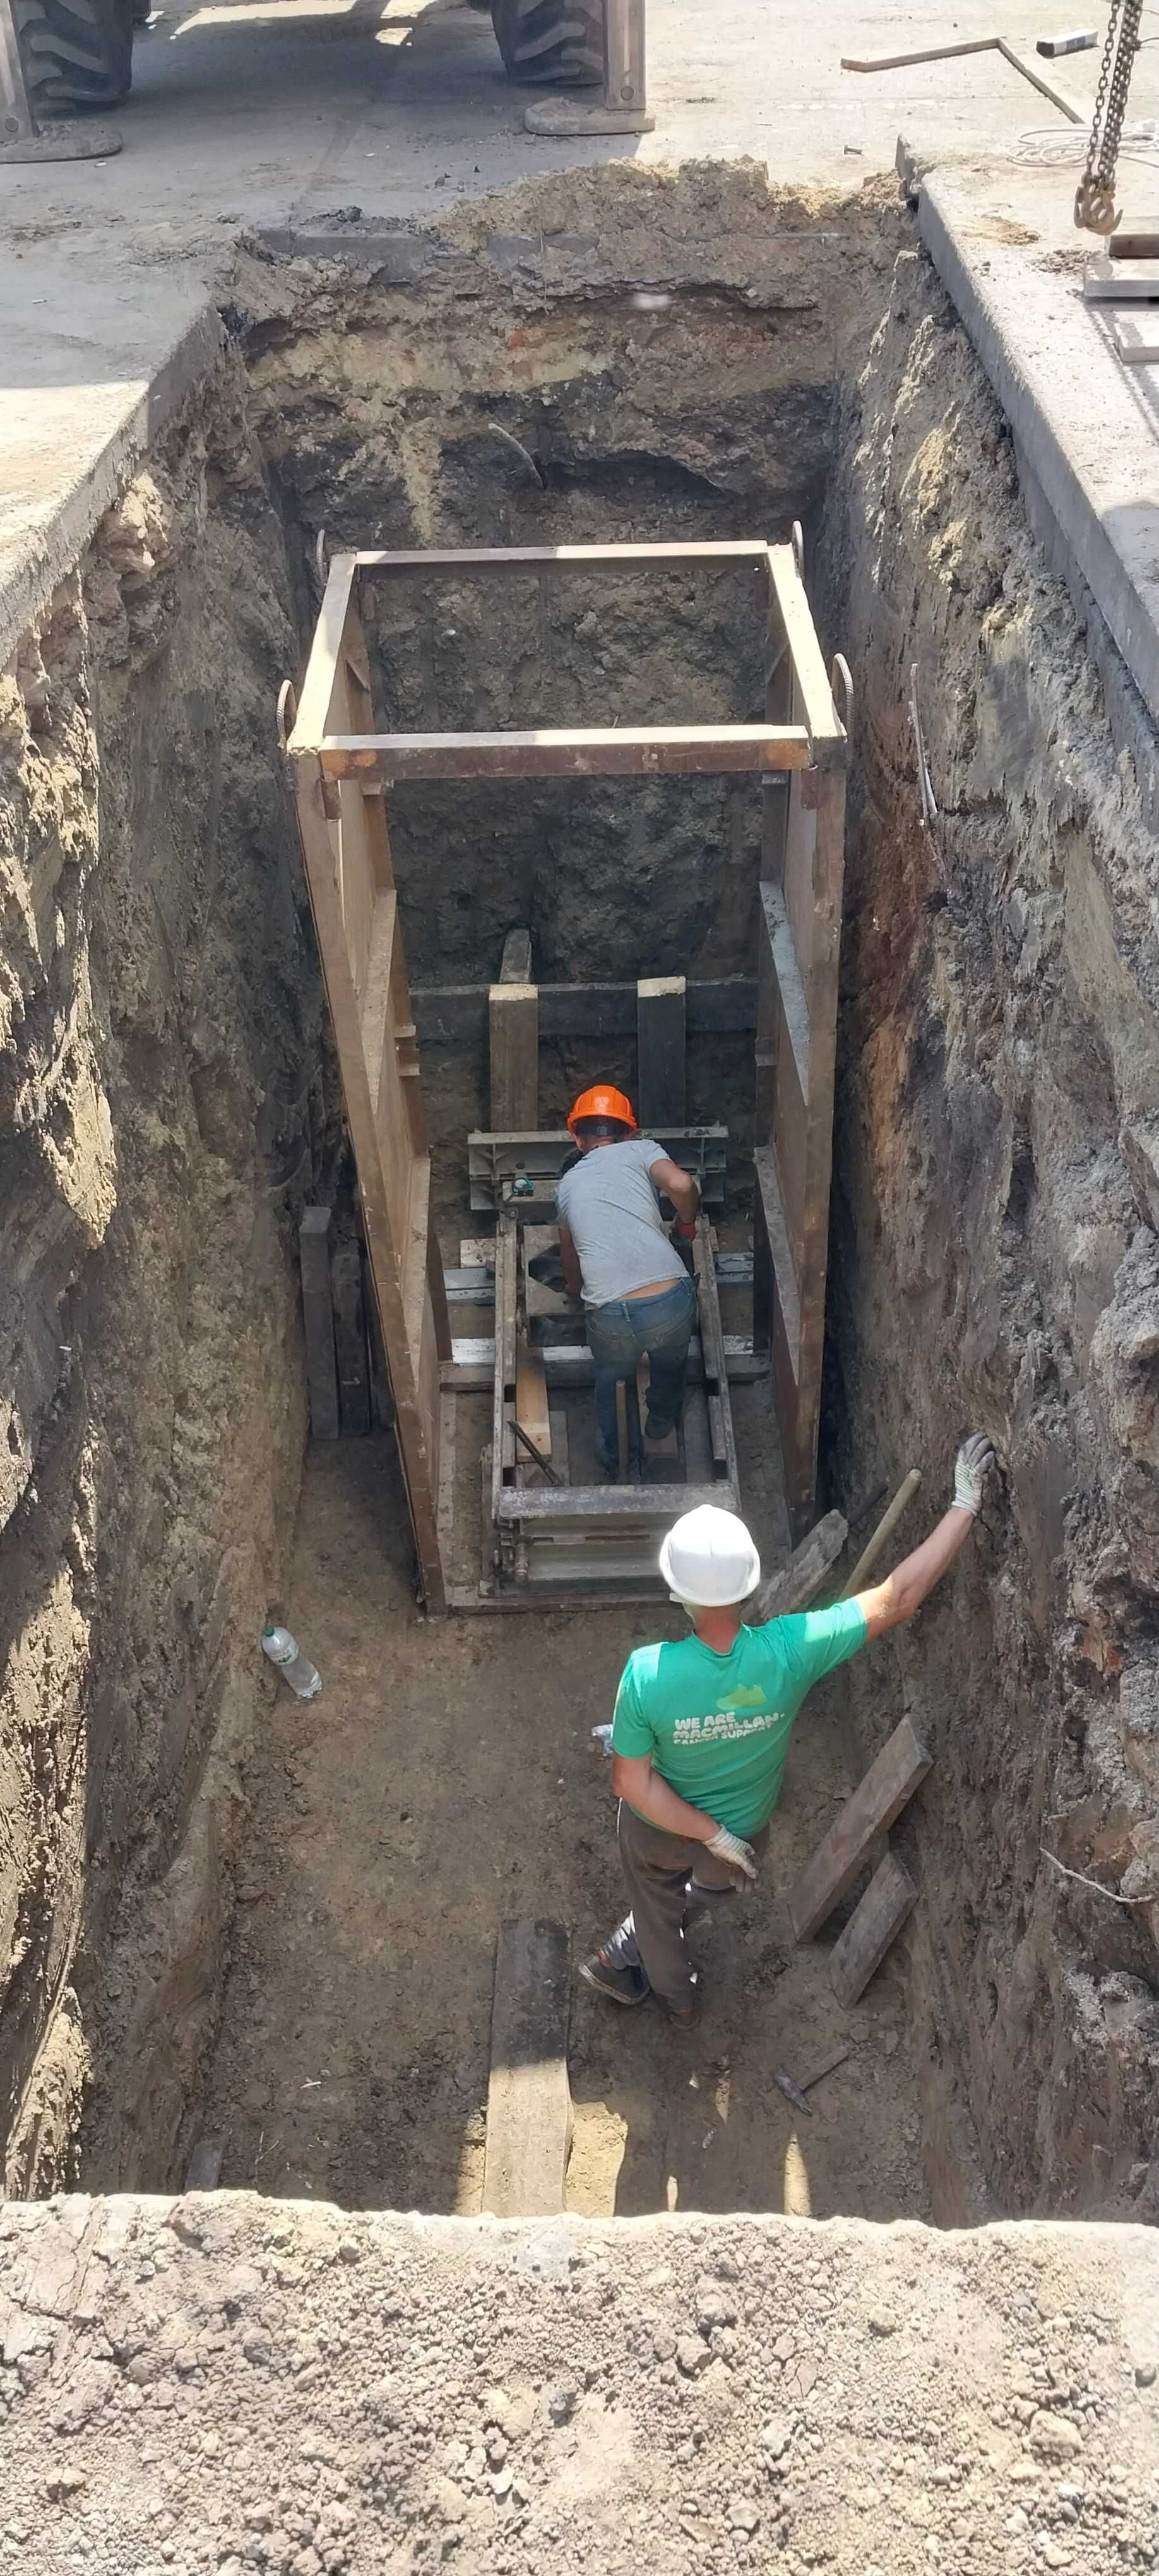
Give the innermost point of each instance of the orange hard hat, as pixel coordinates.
(602, 1102)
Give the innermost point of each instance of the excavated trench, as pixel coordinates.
(225, 1913)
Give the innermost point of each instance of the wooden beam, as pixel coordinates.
(712, 553)
(826, 731)
(456, 1014)
(596, 751)
(322, 668)
(794, 1583)
(528, 2096)
(318, 1319)
(888, 1900)
(661, 1078)
(900, 1768)
(513, 1024)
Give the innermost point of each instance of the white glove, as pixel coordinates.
(739, 1855)
(971, 1467)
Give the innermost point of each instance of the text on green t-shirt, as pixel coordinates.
(717, 1727)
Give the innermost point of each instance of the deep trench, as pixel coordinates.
(221, 1888)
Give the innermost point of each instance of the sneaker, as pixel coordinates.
(620, 1985)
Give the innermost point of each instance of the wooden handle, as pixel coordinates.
(885, 1529)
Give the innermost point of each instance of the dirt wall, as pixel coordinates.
(161, 1042)
(996, 1262)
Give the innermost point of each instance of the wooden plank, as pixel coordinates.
(317, 690)
(416, 1421)
(516, 963)
(900, 1768)
(560, 1444)
(513, 1023)
(661, 1079)
(888, 1900)
(456, 1014)
(531, 1406)
(793, 1585)
(825, 729)
(594, 751)
(712, 552)
(318, 1318)
(528, 2096)
(350, 1341)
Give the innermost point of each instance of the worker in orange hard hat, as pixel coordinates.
(635, 1279)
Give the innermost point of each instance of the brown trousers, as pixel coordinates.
(668, 1880)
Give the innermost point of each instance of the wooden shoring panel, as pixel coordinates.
(802, 865)
(393, 1180)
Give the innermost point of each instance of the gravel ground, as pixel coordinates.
(229, 2383)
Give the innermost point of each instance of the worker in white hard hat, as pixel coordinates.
(702, 1727)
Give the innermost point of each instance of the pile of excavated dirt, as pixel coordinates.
(251, 2385)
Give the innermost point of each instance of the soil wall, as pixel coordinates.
(996, 1263)
(160, 1026)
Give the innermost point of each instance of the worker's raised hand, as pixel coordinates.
(738, 1854)
(971, 1467)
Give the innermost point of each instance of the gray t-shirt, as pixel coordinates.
(611, 1207)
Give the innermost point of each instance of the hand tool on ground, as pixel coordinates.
(796, 2093)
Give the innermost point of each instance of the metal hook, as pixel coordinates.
(799, 548)
(841, 679)
(287, 712)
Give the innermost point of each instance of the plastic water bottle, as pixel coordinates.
(294, 1667)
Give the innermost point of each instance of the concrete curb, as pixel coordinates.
(1077, 421)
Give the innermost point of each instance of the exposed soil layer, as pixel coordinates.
(235, 2382)
(160, 1088)
(996, 1260)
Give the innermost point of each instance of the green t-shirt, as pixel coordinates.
(718, 1726)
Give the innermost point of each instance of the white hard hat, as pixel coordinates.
(709, 1560)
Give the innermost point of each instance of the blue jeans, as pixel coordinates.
(619, 1335)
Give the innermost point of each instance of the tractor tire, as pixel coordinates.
(556, 41)
(76, 53)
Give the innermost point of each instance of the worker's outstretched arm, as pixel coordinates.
(890, 1604)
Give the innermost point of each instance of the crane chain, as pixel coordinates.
(1094, 205)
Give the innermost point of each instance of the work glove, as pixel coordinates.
(738, 1854)
(971, 1467)
(684, 1245)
